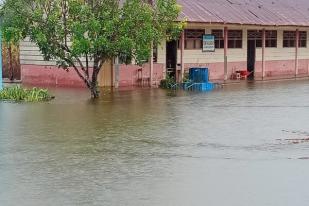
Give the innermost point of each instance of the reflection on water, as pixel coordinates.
(152, 147)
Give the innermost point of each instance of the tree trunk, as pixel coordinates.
(94, 92)
(93, 86)
(11, 72)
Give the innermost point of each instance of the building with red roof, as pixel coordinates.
(233, 38)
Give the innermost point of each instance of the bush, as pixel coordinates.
(17, 93)
(167, 83)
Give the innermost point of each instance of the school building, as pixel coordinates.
(263, 39)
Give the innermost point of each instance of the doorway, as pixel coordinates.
(251, 52)
(171, 58)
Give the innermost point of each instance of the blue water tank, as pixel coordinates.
(199, 75)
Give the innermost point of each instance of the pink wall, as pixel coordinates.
(129, 74)
(52, 75)
(216, 70)
(258, 69)
(272, 68)
(303, 66)
(276, 68)
(285, 68)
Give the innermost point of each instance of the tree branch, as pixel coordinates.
(67, 49)
(86, 80)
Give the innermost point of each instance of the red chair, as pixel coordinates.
(244, 74)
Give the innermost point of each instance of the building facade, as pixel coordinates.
(268, 39)
(263, 51)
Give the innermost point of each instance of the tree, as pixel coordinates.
(83, 34)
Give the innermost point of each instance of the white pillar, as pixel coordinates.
(263, 53)
(182, 55)
(296, 52)
(225, 52)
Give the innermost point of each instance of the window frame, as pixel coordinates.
(289, 39)
(302, 38)
(219, 38)
(194, 37)
(258, 37)
(235, 41)
(271, 38)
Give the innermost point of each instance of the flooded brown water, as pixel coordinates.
(232, 147)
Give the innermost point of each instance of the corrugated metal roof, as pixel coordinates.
(251, 12)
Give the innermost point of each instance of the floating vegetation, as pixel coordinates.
(300, 137)
(295, 140)
(19, 94)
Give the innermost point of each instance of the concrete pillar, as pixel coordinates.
(263, 52)
(151, 66)
(225, 52)
(182, 43)
(296, 52)
(116, 83)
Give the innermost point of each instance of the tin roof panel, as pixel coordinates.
(251, 12)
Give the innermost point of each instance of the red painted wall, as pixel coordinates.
(52, 75)
(129, 74)
(272, 68)
(285, 68)
(216, 70)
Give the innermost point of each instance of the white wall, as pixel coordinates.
(239, 55)
(30, 54)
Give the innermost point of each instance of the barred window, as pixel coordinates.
(235, 39)
(271, 38)
(257, 35)
(289, 39)
(302, 39)
(219, 38)
(194, 38)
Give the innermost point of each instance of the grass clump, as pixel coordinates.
(19, 94)
(170, 82)
(167, 83)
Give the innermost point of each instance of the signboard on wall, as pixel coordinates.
(208, 43)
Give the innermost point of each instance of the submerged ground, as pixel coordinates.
(156, 148)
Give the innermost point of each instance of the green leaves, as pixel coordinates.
(97, 28)
(68, 30)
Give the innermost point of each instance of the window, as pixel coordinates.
(194, 38)
(271, 38)
(302, 39)
(235, 39)
(289, 38)
(155, 54)
(219, 39)
(257, 35)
